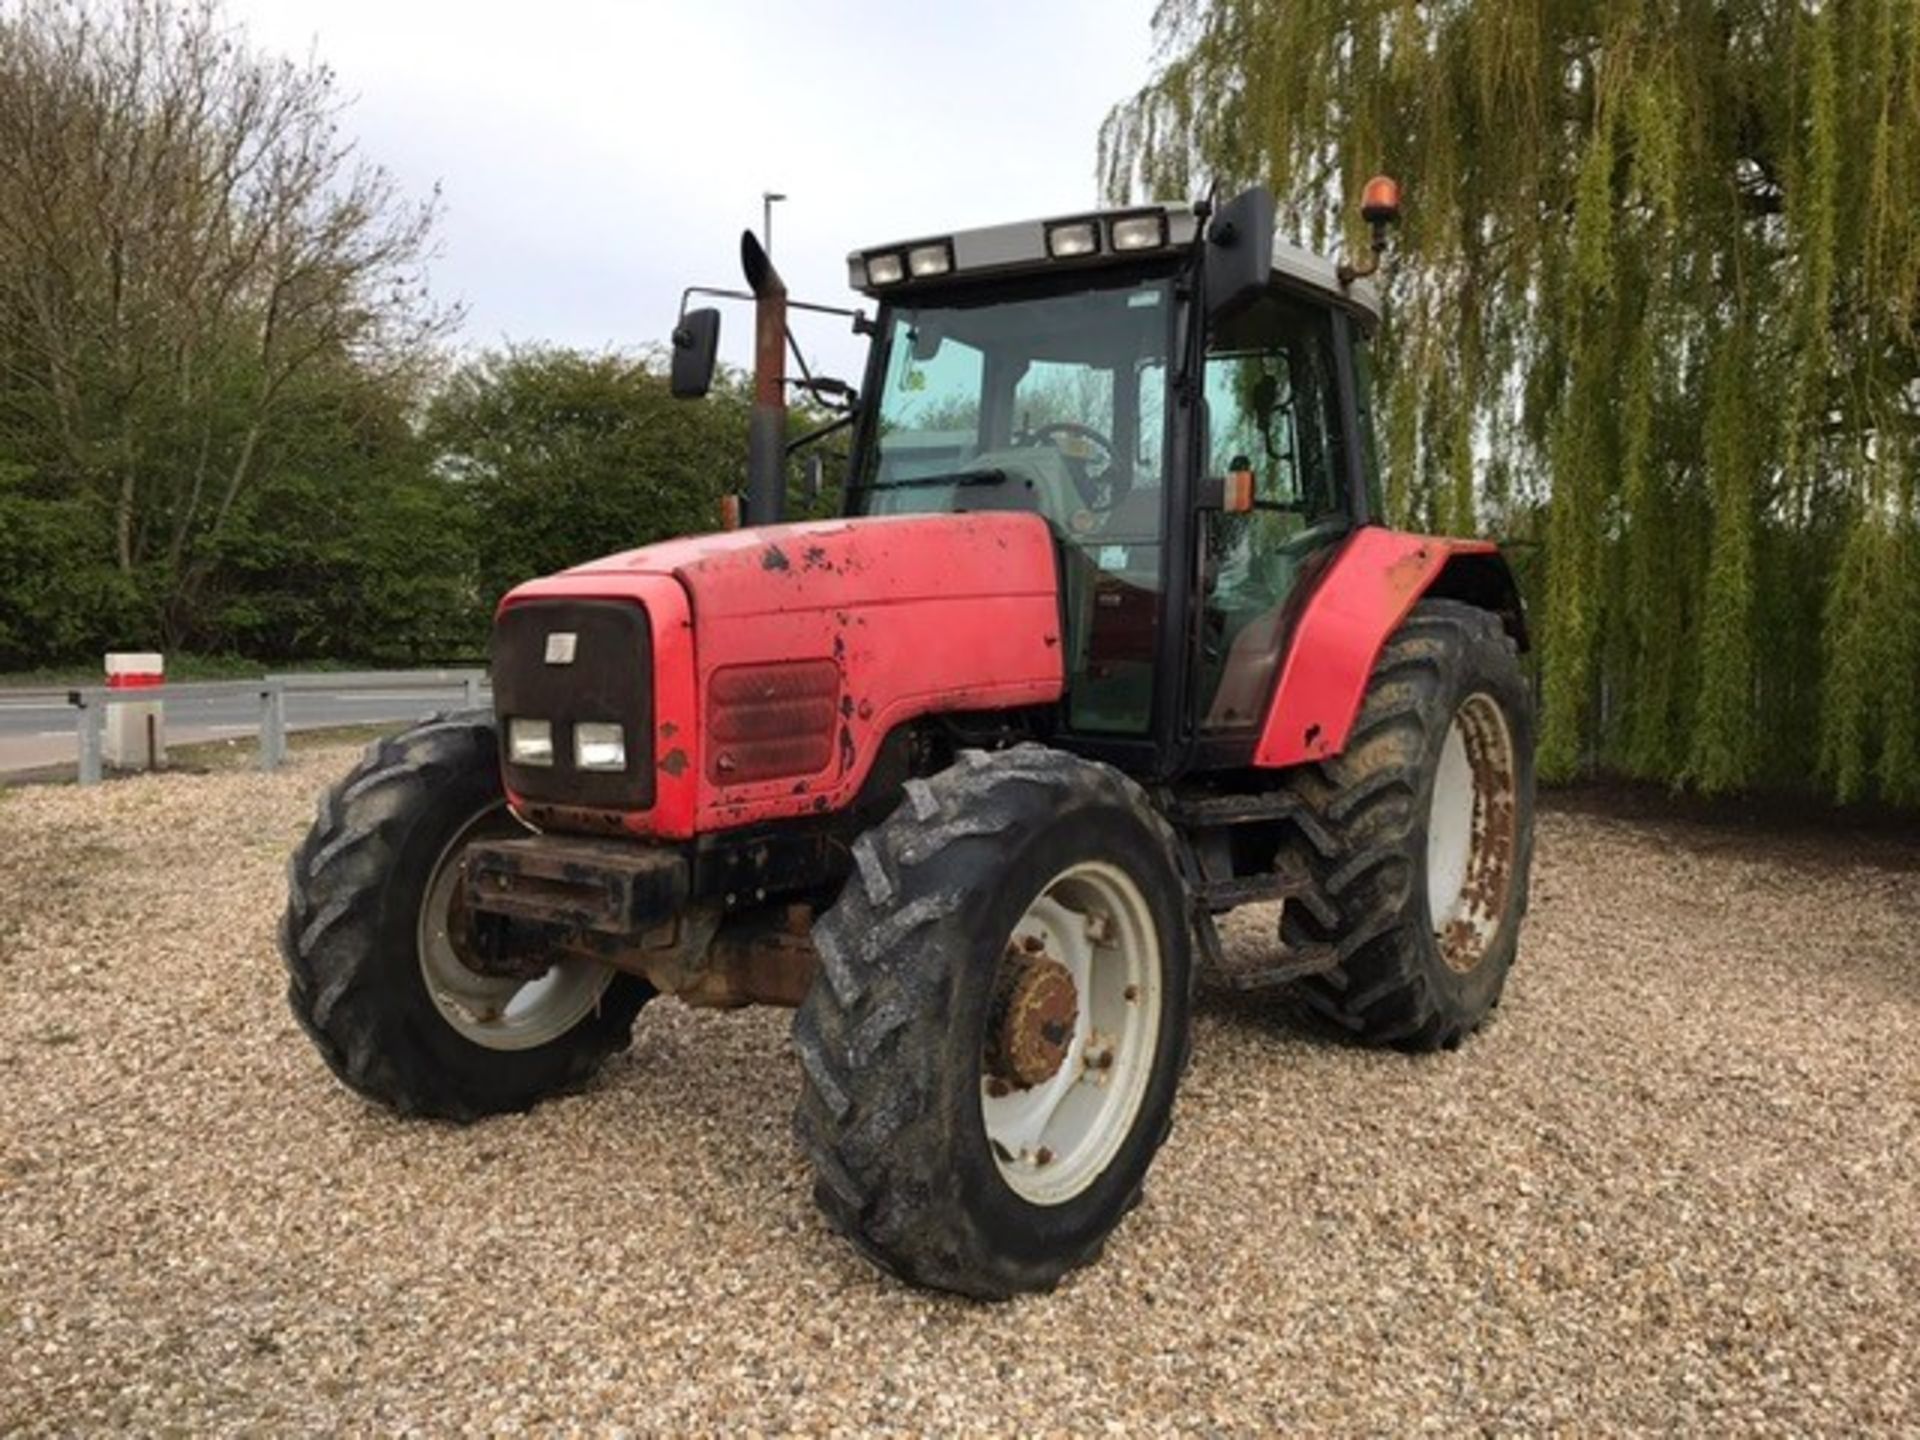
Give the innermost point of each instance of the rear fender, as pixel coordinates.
(1369, 589)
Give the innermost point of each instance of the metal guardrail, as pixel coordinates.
(92, 702)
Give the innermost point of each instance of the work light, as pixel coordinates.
(530, 742)
(1079, 237)
(1140, 232)
(885, 270)
(929, 260)
(599, 747)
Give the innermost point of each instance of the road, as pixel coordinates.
(37, 727)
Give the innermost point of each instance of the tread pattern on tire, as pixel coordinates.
(330, 932)
(1361, 851)
(868, 1035)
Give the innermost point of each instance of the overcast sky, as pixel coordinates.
(597, 156)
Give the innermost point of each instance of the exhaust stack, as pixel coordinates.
(767, 426)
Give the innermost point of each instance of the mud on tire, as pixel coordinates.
(1363, 844)
(890, 1038)
(350, 937)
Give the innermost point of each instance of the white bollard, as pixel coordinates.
(136, 730)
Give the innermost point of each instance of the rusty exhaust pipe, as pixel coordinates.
(767, 426)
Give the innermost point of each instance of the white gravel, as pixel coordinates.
(1673, 1186)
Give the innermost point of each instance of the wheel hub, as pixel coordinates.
(1034, 1014)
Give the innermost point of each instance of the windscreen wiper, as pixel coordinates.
(957, 477)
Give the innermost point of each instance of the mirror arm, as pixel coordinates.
(859, 317)
(834, 394)
(830, 428)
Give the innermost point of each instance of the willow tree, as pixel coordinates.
(1655, 314)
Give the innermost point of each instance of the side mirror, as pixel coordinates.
(1240, 250)
(696, 344)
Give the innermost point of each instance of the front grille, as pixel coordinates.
(772, 721)
(608, 679)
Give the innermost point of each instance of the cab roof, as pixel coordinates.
(1031, 247)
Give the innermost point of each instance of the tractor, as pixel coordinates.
(1108, 638)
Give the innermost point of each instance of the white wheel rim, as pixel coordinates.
(1054, 1139)
(1471, 833)
(496, 1012)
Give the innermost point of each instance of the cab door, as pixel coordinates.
(1272, 407)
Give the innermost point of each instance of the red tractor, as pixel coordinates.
(1109, 639)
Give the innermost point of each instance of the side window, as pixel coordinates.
(1273, 406)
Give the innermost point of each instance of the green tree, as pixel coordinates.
(1661, 267)
(196, 270)
(561, 456)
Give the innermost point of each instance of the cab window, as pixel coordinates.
(1272, 407)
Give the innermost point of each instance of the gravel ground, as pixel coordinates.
(1673, 1186)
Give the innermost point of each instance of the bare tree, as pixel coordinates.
(185, 235)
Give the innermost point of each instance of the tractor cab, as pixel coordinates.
(1195, 448)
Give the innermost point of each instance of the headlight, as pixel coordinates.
(1064, 242)
(925, 260)
(1140, 232)
(885, 270)
(599, 747)
(530, 742)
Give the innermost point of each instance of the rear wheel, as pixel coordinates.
(1419, 836)
(993, 1045)
(374, 943)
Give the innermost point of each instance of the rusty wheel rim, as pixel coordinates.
(1073, 1033)
(495, 1012)
(1471, 824)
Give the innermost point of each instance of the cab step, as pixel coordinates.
(1297, 964)
(1198, 811)
(1211, 896)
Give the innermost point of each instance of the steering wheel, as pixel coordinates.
(1084, 478)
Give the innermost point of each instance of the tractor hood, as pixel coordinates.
(830, 564)
(777, 660)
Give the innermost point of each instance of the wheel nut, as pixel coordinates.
(1043, 1156)
(997, 1088)
(1032, 944)
(1132, 992)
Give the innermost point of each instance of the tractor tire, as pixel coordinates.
(1417, 839)
(366, 941)
(964, 1135)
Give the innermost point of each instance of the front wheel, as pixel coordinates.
(375, 948)
(993, 1045)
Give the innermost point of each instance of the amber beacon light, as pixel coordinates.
(1380, 208)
